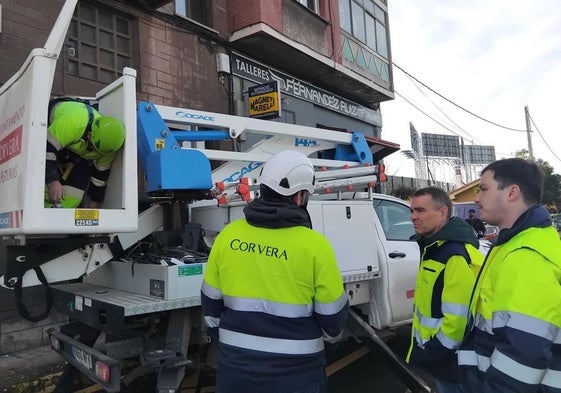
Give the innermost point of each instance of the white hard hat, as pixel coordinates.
(288, 172)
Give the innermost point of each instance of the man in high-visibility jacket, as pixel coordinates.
(514, 340)
(449, 257)
(272, 292)
(81, 146)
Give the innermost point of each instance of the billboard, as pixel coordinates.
(439, 145)
(479, 154)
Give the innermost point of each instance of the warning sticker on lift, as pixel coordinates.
(86, 218)
(190, 270)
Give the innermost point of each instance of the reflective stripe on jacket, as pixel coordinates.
(515, 341)
(442, 292)
(275, 294)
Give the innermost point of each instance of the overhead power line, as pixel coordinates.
(426, 114)
(442, 111)
(453, 103)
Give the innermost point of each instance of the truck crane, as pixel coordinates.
(140, 265)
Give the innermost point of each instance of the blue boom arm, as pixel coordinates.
(167, 166)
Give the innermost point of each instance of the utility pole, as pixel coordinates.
(528, 133)
(430, 177)
(465, 160)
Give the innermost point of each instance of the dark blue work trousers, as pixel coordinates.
(231, 380)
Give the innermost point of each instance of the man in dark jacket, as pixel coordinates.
(476, 223)
(449, 257)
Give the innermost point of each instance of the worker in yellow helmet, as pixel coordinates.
(272, 292)
(514, 340)
(449, 260)
(81, 146)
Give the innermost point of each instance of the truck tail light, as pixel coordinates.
(103, 371)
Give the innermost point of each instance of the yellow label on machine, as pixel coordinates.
(86, 218)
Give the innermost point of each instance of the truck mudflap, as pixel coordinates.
(100, 368)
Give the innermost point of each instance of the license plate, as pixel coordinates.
(82, 357)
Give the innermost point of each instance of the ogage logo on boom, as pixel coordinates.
(194, 116)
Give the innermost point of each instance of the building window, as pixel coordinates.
(311, 4)
(101, 43)
(192, 9)
(365, 21)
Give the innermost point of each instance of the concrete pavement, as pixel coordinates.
(31, 370)
(37, 370)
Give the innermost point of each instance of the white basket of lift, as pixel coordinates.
(24, 100)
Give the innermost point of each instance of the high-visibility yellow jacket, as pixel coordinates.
(274, 293)
(514, 342)
(69, 121)
(442, 292)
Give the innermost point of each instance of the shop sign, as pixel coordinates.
(264, 101)
(259, 73)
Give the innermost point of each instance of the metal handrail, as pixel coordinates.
(362, 330)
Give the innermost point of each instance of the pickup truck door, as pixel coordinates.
(399, 262)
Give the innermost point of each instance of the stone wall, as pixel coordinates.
(16, 333)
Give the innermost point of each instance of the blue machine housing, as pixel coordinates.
(357, 151)
(168, 167)
(174, 170)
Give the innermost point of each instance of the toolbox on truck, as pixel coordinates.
(166, 282)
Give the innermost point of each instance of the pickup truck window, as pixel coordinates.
(395, 219)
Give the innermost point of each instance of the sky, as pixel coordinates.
(491, 57)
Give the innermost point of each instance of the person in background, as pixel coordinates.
(513, 343)
(476, 223)
(81, 146)
(272, 293)
(449, 257)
